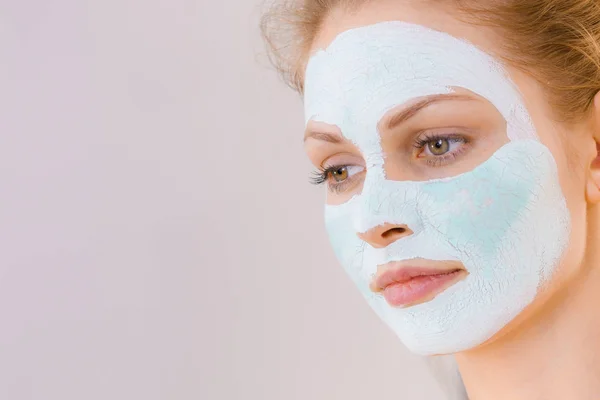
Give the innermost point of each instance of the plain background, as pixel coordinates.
(158, 235)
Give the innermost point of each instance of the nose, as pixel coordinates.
(384, 235)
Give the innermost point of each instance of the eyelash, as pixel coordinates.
(323, 175)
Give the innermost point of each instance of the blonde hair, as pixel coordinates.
(555, 41)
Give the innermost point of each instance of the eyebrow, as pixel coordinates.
(324, 136)
(409, 112)
(396, 119)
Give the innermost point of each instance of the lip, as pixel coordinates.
(417, 281)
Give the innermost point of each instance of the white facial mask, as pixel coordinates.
(506, 220)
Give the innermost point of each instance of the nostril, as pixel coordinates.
(394, 232)
(385, 234)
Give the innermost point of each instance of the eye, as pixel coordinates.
(437, 150)
(340, 174)
(337, 177)
(438, 147)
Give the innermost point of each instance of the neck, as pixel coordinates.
(553, 355)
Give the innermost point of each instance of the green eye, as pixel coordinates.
(438, 147)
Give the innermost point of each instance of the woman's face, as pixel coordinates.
(452, 200)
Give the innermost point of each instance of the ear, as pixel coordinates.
(593, 179)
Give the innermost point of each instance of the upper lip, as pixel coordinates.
(404, 271)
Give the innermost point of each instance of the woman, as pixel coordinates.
(459, 144)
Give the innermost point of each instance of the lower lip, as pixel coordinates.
(419, 288)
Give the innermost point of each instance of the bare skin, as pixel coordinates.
(552, 349)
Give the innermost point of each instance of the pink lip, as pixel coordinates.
(404, 285)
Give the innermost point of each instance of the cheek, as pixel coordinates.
(564, 143)
(566, 146)
(512, 204)
(481, 211)
(572, 180)
(570, 165)
(346, 245)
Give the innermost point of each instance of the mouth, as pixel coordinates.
(411, 282)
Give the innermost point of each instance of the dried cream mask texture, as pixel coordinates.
(506, 220)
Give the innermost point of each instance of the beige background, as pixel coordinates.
(158, 237)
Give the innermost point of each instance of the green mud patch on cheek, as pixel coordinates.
(477, 210)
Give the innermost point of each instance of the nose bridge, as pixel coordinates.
(387, 211)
